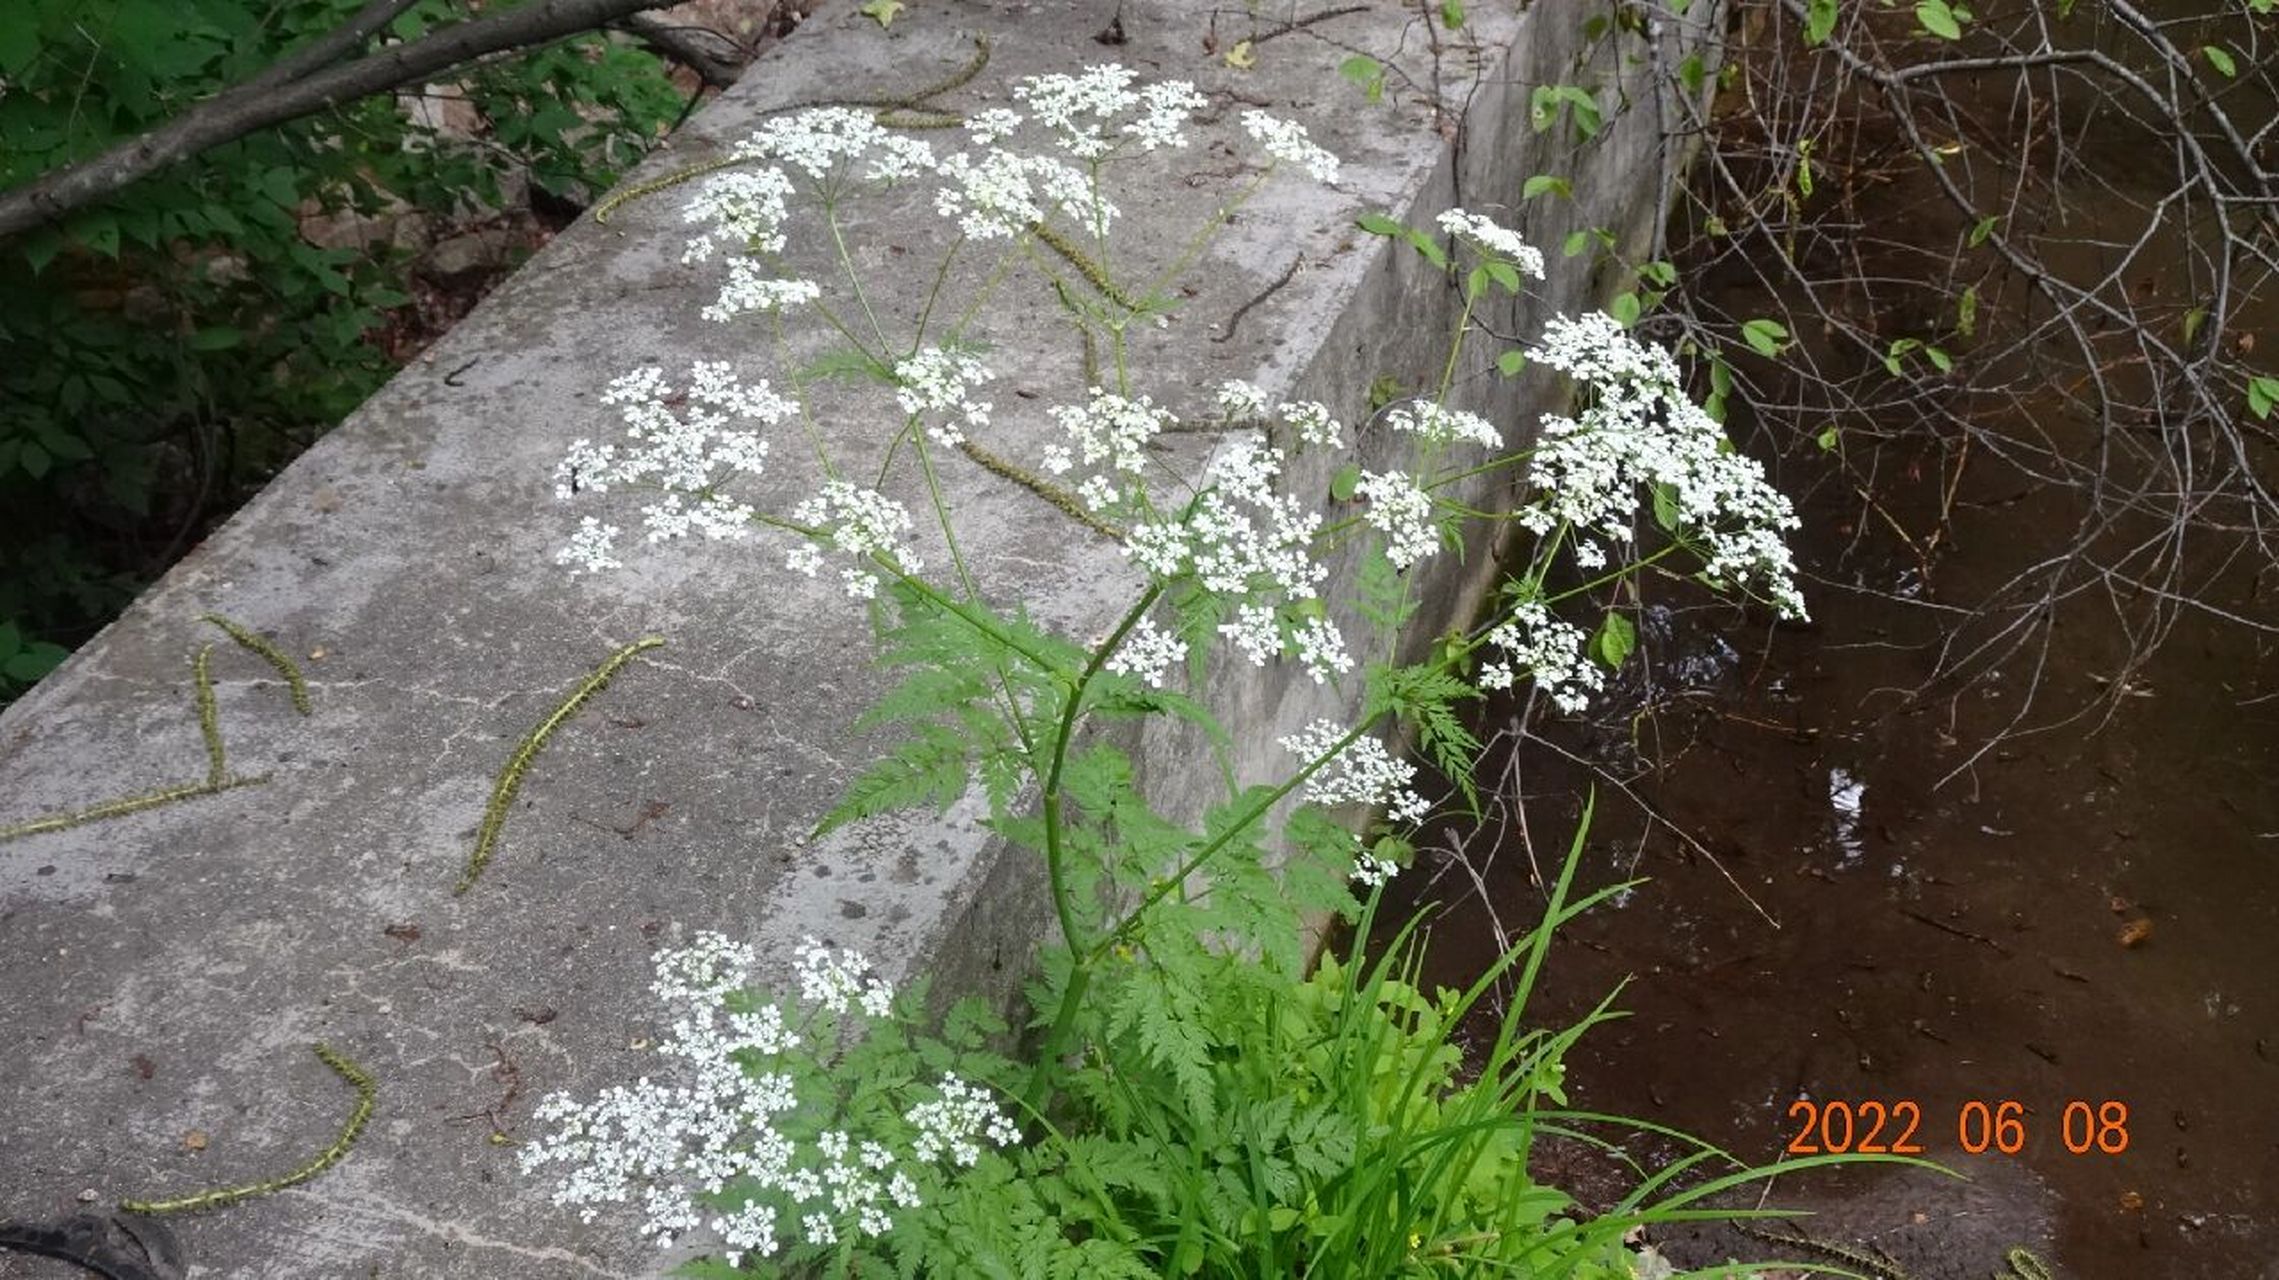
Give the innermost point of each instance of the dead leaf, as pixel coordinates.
(2134, 933)
(144, 1067)
(402, 932)
(2131, 1202)
(195, 1140)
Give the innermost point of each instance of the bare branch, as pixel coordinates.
(274, 98)
(716, 58)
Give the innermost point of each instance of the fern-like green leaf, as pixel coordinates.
(930, 769)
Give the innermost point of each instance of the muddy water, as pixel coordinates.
(1857, 913)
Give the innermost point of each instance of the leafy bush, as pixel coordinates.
(165, 352)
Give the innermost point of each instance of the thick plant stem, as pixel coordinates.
(1039, 1092)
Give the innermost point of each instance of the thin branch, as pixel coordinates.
(272, 99)
(716, 58)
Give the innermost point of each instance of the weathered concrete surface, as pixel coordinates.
(165, 973)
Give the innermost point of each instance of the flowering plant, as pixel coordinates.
(1198, 1100)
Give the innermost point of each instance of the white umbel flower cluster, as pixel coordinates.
(1245, 403)
(1147, 652)
(744, 208)
(717, 1148)
(749, 289)
(1371, 871)
(1287, 142)
(836, 980)
(1499, 243)
(956, 1123)
(1365, 773)
(1086, 113)
(1000, 194)
(817, 140)
(686, 442)
(1534, 643)
(1239, 538)
(1399, 508)
(1110, 434)
(1440, 426)
(1640, 431)
(934, 387)
(862, 523)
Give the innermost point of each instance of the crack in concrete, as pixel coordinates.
(450, 1232)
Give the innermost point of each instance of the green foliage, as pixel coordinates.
(2262, 395)
(1942, 19)
(1378, 224)
(1819, 21)
(21, 664)
(1550, 101)
(1367, 74)
(957, 659)
(167, 350)
(1424, 699)
(1616, 640)
(1765, 337)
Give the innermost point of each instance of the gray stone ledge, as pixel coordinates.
(166, 972)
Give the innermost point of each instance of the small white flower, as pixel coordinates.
(1441, 426)
(1241, 400)
(685, 443)
(1111, 431)
(744, 208)
(1321, 648)
(836, 981)
(592, 548)
(1533, 642)
(934, 388)
(1399, 509)
(1256, 631)
(1148, 652)
(1498, 242)
(750, 289)
(1639, 433)
(1363, 773)
(1370, 871)
(861, 523)
(1160, 548)
(1314, 424)
(1286, 141)
(992, 124)
(950, 1125)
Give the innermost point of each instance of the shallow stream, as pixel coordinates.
(1858, 913)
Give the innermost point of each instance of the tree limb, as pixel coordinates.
(297, 87)
(330, 48)
(717, 59)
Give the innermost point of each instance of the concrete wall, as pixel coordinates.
(165, 972)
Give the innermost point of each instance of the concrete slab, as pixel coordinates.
(166, 972)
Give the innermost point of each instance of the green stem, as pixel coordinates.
(934, 294)
(854, 277)
(1040, 1091)
(1455, 348)
(1202, 237)
(1212, 847)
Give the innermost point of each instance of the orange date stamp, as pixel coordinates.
(1840, 1127)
